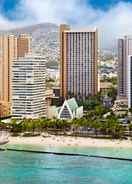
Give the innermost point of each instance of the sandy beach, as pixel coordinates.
(70, 141)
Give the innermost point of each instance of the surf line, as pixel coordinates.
(70, 154)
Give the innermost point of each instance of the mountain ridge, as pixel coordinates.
(45, 40)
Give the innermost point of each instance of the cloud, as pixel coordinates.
(113, 23)
(4, 22)
(58, 11)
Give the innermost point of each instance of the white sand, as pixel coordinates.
(70, 141)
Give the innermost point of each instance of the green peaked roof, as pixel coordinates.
(72, 104)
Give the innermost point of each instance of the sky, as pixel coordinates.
(113, 18)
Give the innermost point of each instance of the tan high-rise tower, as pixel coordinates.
(78, 62)
(124, 50)
(10, 47)
(23, 45)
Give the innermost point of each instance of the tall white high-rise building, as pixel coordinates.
(28, 87)
(11, 47)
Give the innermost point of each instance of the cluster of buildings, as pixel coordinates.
(23, 74)
(22, 78)
(10, 47)
(108, 67)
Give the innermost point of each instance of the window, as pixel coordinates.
(65, 114)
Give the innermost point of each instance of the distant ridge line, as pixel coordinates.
(69, 154)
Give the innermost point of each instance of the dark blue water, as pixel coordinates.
(28, 168)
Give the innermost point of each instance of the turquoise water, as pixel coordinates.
(27, 168)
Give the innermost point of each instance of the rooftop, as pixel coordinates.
(72, 104)
(82, 30)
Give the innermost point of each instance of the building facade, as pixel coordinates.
(68, 111)
(23, 45)
(124, 50)
(28, 87)
(78, 62)
(10, 47)
(8, 51)
(130, 81)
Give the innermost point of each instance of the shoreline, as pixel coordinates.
(64, 141)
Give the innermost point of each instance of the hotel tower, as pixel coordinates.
(129, 70)
(78, 62)
(28, 87)
(10, 47)
(124, 50)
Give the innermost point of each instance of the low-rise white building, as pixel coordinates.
(53, 73)
(69, 110)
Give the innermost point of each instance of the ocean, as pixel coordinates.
(33, 168)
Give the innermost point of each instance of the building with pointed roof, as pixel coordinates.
(69, 110)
